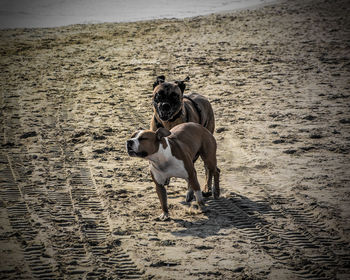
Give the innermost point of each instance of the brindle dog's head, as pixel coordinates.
(167, 97)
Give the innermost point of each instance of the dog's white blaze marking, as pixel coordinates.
(198, 195)
(136, 142)
(164, 165)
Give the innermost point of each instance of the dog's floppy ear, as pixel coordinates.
(136, 132)
(160, 79)
(181, 84)
(162, 132)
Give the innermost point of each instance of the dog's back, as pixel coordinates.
(187, 132)
(202, 106)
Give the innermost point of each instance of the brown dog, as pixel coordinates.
(171, 154)
(171, 107)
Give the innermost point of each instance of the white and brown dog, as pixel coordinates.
(171, 154)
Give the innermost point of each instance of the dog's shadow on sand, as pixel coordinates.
(235, 211)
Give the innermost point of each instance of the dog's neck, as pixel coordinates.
(161, 158)
(162, 155)
(177, 115)
(182, 113)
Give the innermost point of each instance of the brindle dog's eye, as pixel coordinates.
(160, 96)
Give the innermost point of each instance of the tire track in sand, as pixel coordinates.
(14, 185)
(59, 217)
(287, 230)
(110, 259)
(286, 247)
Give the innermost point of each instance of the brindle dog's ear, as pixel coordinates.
(181, 84)
(160, 79)
(162, 132)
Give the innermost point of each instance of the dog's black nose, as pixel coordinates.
(165, 106)
(129, 144)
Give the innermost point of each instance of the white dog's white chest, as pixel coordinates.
(164, 165)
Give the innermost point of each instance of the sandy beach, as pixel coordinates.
(74, 205)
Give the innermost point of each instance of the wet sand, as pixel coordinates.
(74, 205)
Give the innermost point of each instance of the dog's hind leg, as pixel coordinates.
(190, 194)
(216, 188)
(209, 180)
(195, 187)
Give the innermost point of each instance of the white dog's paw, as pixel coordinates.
(163, 217)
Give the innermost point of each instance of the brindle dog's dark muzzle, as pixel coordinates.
(164, 111)
(168, 107)
(165, 106)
